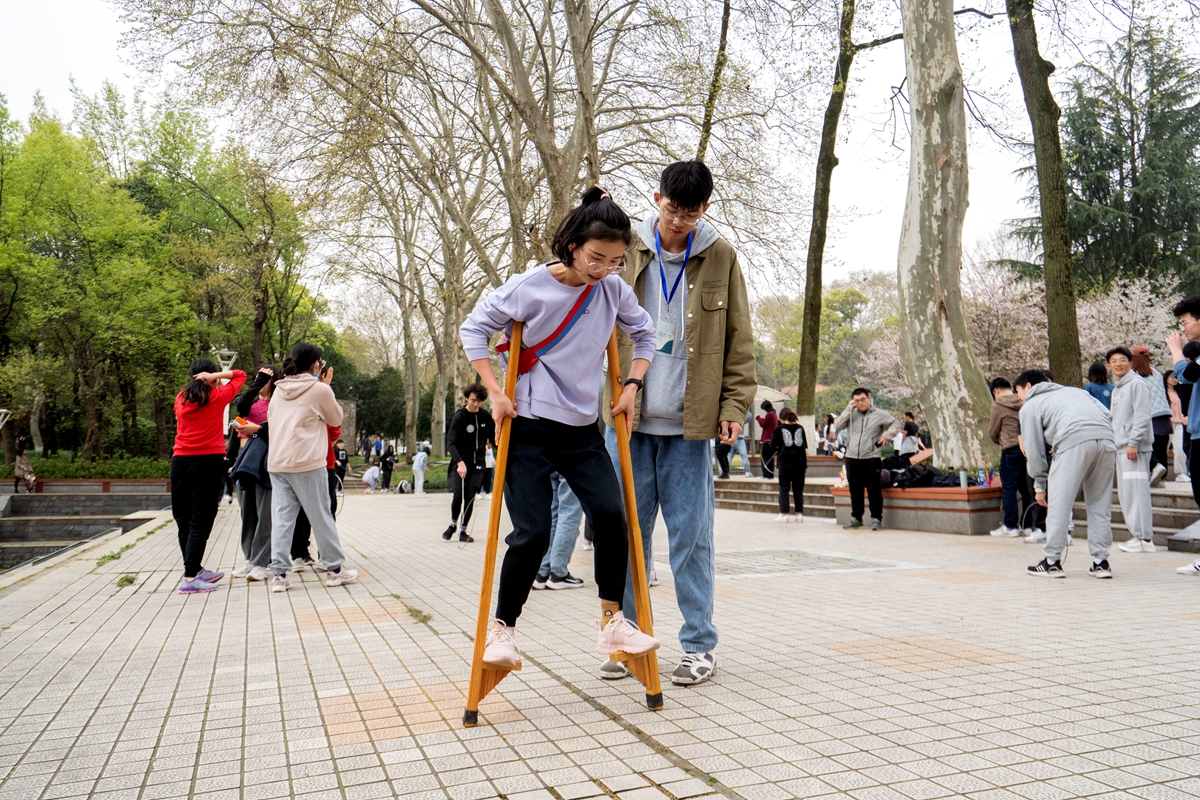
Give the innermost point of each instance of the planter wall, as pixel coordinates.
(102, 485)
(973, 511)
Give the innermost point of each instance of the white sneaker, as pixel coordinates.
(258, 574)
(797, 518)
(279, 583)
(501, 649)
(1148, 546)
(341, 577)
(1157, 474)
(298, 564)
(653, 578)
(588, 545)
(1036, 536)
(1136, 546)
(782, 518)
(1006, 532)
(622, 635)
(242, 571)
(1183, 478)
(1191, 569)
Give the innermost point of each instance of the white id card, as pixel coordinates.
(664, 333)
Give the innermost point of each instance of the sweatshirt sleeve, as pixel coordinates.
(994, 425)
(493, 313)
(1034, 440)
(224, 395)
(452, 436)
(246, 399)
(777, 439)
(635, 321)
(327, 406)
(1141, 429)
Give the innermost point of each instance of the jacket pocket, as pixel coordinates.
(712, 324)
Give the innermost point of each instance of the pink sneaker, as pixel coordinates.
(501, 650)
(621, 635)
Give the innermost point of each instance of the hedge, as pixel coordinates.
(65, 465)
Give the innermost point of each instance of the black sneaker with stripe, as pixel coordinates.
(1101, 570)
(1046, 569)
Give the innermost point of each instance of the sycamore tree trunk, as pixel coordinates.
(1034, 72)
(934, 346)
(714, 86)
(810, 337)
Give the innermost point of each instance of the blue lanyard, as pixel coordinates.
(663, 273)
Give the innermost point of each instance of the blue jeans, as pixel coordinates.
(566, 514)
(739, 449)
(674, 474)
(1012, 479)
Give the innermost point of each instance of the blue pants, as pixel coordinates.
(1012, 479)
(675, 475)
(566, 514)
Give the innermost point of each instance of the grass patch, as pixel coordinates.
(67, 465)
(126, 580)
(113, 556)
(417, 614)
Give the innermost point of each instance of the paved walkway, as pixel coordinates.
(876, 666)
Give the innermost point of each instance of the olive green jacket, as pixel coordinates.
(721, 374)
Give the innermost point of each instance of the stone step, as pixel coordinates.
(1165, 518)
(817, 498)
(773, 507)
(59, 528)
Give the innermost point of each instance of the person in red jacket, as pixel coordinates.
(198, 465)
(768, 422)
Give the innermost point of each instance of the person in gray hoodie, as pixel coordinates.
(1078, 429)
(1132, 410)
(869, 430)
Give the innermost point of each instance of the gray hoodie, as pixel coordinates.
(865, 430)
(1131, 412)
(1059, 417)
(666, 380)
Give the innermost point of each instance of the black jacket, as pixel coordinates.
(791, 447)
(468, 435)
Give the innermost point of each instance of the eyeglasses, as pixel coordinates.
(686, 220)
(594, 267)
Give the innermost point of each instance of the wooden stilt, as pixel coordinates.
(644, 666)
(484, 677)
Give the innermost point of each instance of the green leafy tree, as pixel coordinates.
(1132, 141)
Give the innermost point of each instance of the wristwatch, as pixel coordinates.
(636, 382)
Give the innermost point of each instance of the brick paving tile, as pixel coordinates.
(906, 668)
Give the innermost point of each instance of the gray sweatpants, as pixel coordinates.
(1133, 490)
(258, 549)
(1088, 465)
(291, 491)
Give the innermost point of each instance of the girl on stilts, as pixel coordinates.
(568, 309)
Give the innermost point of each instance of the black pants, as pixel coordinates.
(464, 490)
(792, 479)
(1194, 450)
(1015, 482)
(766, 453)
(302, 533)
(196, 485)
(1158, 453)
(387, 479)
(538, 448)
(863, 473)
(489, 476)
(722, 453)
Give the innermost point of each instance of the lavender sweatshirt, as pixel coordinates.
(565, 383)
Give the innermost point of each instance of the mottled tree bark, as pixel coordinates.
(934, 344)
(714, 86)
(1034, 72)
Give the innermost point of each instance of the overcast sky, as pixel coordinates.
(52, 40)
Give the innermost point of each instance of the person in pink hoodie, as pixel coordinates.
(301, 412)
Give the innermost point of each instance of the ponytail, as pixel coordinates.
(596, 217)
(194, 391)
(304, 355)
